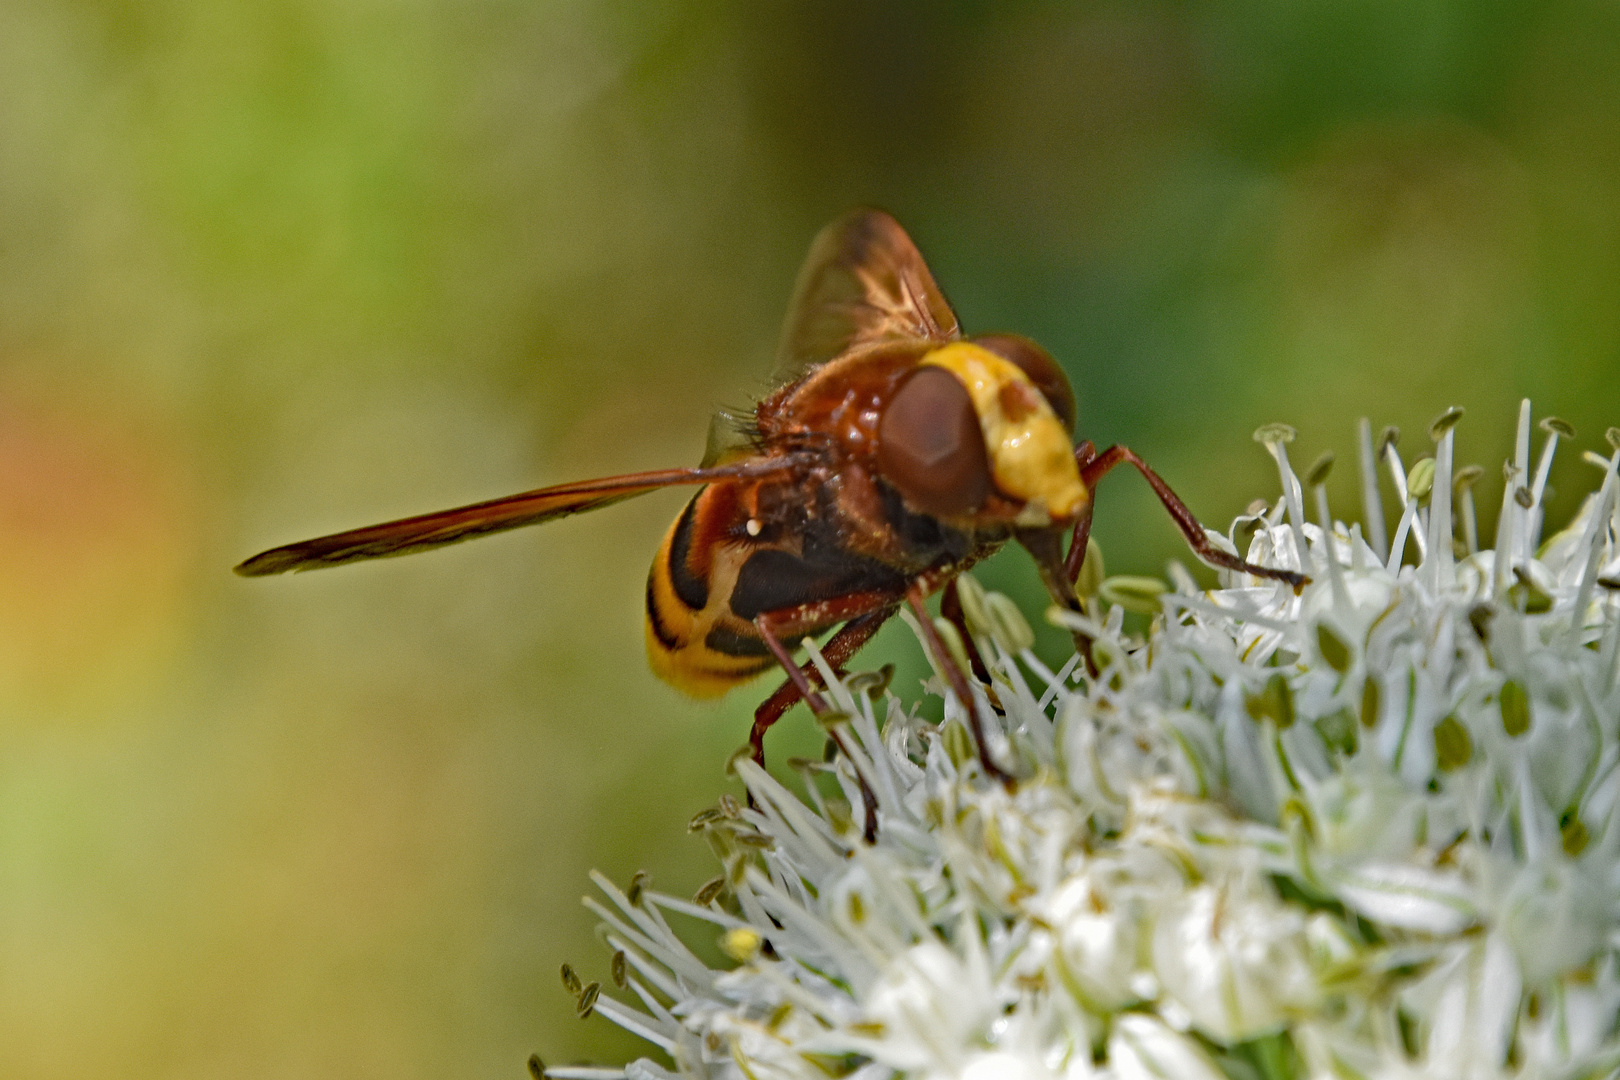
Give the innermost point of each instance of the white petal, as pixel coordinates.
(1143, 1048)
(1409, 897)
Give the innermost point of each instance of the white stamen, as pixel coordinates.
(1543, 467)
(1325, 523)
(1397, 471)
(1296, 507)
(1372, 505)
(753, 526)
(1470, 521)
(1594, 542)
(1397, 549)
(1440, 529)
(1521, 471)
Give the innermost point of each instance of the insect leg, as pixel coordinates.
(950, 606)
(917, 598)
(838, 650)
(797, 678)
(1084, 455)
(854, 634)
(1045, 546)
(1184, 519)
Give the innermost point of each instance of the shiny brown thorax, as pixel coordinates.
(826, 532)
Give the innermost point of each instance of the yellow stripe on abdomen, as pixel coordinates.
(676, 635)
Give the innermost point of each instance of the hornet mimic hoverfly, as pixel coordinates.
(893, 454)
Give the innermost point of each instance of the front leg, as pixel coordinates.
(917, 597)
(1084, 455)
(950, 606)
(1095, 469)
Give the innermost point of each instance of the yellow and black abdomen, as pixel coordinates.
(694, 640)
(717, 570)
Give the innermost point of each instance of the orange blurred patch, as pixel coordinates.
(97, 528)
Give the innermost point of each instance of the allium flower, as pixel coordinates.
(1368, 831)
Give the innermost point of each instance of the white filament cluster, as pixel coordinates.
(1368, 831)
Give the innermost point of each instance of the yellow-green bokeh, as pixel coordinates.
(275, 268)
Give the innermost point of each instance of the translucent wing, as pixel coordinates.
(413, 534)
(864, 282)
(732, 436)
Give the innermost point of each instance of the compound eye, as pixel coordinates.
(1042, 370)
(930, 446)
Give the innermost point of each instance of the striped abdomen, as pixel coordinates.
(712, 576)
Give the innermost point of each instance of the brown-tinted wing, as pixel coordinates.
(413, 534)
(864, 282)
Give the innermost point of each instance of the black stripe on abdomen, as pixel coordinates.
(728, 642)
(692, 590)
(775, 580)
(654, 620)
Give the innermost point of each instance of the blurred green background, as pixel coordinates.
(276, 268)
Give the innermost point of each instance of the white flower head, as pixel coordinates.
(1371, 829)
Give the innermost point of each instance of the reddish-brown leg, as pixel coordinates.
(1079, 541)
(1099, 466)
(838, 650)
(863, 628)
(917, 598)
(1084, 455)
(1045, 546)
(950, 606)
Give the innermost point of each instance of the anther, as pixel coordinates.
(1138, 594)
(638, 884)
(1552, 425)
(972, 597)
(753, 526)
(1444, 423)
(1317, 474)
(1515, 706)
(1274, 434)
(1421, 479)
(703, 818)
(710, 892)
(1008, 625)
(1452, 745)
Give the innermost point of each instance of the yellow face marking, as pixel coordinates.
(1031, 458)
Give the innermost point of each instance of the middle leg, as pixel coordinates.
(838, 650)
